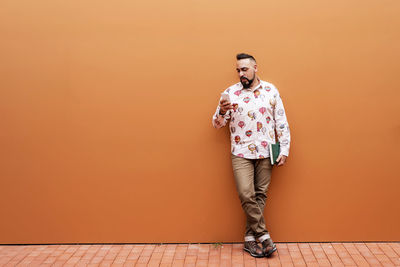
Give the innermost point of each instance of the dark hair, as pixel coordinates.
(243, 56)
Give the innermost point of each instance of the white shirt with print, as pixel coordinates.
(255, 116)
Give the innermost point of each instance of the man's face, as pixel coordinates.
(246, 69)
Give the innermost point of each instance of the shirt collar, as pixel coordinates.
(259, 86)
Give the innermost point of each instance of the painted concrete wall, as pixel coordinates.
(106, 109)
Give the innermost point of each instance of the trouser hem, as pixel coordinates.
(249, 238)
(264, 237)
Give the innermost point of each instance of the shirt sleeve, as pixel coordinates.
(219, 121)
(282, 126)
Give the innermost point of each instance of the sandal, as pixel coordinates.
(252, 248)
(268, 247)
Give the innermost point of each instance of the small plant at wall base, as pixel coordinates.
(218, 244)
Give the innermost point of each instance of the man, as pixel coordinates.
(257, 116)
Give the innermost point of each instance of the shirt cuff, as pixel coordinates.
(284, 152)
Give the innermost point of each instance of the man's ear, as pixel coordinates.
(255, 67)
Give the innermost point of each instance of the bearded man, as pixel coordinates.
(256, 118)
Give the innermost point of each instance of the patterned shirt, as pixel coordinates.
(256, 115)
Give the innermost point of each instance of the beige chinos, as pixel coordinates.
(252, 177)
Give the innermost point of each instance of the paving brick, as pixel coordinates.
(203, 252)
(130, 263)
(396, 261)
(307, 253)
(237, 255)
(331, 254)
(178, 262)
(387, 250)
(367, 254)
(201, 263)
(295, 253)
(288, 254)
(249, 261)
(262, 262)
(19, 256)
(343, 254)
(135, 253)
(274, 260)
(284, 255)
(396, 248)
(214, 256)
(319, 254)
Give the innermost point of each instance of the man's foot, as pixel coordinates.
(252, 248)
(268, 247)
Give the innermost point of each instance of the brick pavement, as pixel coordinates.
(191, 255)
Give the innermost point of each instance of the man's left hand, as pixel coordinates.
(281, 160)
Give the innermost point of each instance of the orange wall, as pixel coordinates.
(106, 112)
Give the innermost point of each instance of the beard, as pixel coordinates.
(246, 82)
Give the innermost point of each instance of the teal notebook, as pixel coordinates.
(274, 150)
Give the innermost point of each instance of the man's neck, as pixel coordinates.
(255, 83)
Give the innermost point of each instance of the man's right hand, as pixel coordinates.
(224, 106)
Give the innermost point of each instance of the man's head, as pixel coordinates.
(246, 67)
